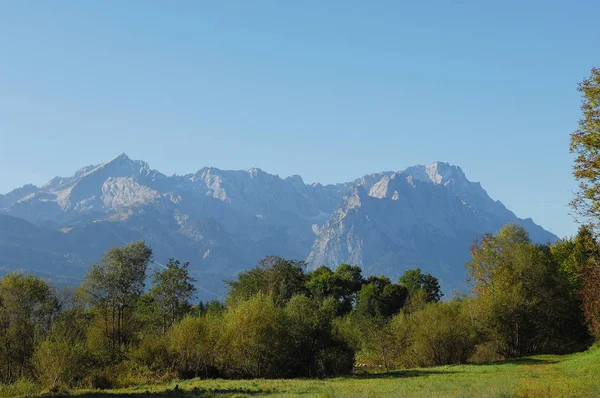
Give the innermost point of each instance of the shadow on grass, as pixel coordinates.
(175, 392)
(431, 371)
(519, 361)
(399, 374)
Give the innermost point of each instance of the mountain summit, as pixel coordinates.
(223, 221)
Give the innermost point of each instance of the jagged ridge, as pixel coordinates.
(223, 221)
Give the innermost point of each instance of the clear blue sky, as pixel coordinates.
(329, 90)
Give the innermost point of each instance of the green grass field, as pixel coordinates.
(538, 376)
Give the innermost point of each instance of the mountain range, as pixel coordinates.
(224, 221)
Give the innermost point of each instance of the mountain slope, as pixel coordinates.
(424, 216)
(224, 221)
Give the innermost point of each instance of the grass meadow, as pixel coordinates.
(575, 375)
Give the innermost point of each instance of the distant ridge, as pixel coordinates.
(223, 221)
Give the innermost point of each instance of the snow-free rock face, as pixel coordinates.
(424, 216)
(224, 221)
(13, 197)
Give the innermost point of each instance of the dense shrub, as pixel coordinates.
(153, 353)
(523, 299)
(101, 380)
(27, 308)
(192, 345)
(60, 363)
(439, 334)
(23, 387)
(252, 342)
(313, 348)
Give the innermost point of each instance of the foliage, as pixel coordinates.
(252, 343)
(349, 278)
(312, 346)
(522, 298)
(281, 322)
(372, 338)
(153, 353)
(213, 307)
(342, 285)
(111, 288)
(379, 297)
(59, 363)
(414, 280)
(440, 334)
(193, 343)
(577, 259)
(172, 291)
(590, 293)
(585, 143)
(274, 276)
(23, 387)
(28, 306)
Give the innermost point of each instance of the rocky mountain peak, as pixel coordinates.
(424, 216)
(13, 196)
(256, 172)
(439, 173)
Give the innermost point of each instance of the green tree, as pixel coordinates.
(378, 300)
(371, 337)
(343, 285)
(414, 280)
(253, 340)
(322, 283)
(576, 258)
(172, 291)
(350, 280)
(439, 334)
(579, 259)
(379, 297)
(312, 348)
(274, 276)
(585, 143)
(112, 287)
(520, 292)
(27, 308)
(212, 307)
(192, 343)
(59, 362)
(590, 293)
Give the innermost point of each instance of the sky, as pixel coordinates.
(328, 90)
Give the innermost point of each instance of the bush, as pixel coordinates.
(192, 345)
(253, 342)
(153, 353)
(486, 352)
(130, 373)
(440, 334)
(20, 388)
(590, 294)
(312, 348)
(371, 337)
(101, 380)
(524, 294)
(59, 363)
(336, 359)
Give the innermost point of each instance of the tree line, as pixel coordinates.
(281, 321)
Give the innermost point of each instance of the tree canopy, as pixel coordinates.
(585, 144)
